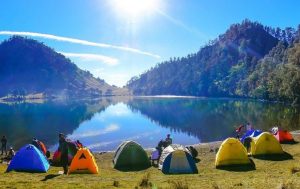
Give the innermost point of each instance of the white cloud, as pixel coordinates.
(109, 129)
(142, 135)
(93, 57)
(79, 41)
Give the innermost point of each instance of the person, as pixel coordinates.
(239, 130)
(11, 154)
(247, 143)
(3, 146)
(248, 126)
(168, 140)
(35, 143)
(160, 146)
(63, 148)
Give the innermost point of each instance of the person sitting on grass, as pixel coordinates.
(10, 155)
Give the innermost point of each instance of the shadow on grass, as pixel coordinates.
(239, 168)
(51, 176)
(197, 160)
(289, 142)
(129, 169)
(275, 157)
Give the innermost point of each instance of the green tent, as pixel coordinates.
(131, 156)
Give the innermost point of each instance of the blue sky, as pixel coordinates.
(171, 28)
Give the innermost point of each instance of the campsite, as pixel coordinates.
(150, 94)
(268, 173)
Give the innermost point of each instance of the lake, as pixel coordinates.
(104, 123)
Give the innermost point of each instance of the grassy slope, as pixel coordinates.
(268, 174)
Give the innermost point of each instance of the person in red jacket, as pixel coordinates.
(238, 131)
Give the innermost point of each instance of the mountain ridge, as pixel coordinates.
(30, 67)
(222, 68)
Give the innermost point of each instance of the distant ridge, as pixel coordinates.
(242, 62)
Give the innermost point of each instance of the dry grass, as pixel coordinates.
(268, 174)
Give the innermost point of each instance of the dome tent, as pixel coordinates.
(83, 162)
(29, 159)
(284, 136)
(176, 159)
(232, 152)
(265, 144)
(131, 156)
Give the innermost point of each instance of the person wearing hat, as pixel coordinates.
(63, 148)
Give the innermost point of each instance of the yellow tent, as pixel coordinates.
(83, 162)
(264, 144)
(231, 152)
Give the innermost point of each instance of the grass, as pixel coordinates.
(283, 174)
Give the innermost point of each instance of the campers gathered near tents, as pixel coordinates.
(131, 156)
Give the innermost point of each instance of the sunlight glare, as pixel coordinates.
(135, 8)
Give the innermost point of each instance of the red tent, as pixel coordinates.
(284, 136)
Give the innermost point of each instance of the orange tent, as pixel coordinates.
(83, 162)
(284, 136)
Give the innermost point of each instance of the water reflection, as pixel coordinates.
(104, 123)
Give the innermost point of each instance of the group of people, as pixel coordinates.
(11, 152)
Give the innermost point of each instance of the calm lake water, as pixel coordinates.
(104, 123)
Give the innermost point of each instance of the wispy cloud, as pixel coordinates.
(109, 129)
(92, 57)
(137, 137)
(79, 41)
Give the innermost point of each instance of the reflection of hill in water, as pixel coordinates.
(21, 122)
(214, 119)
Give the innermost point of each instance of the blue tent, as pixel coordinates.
(29, 159)
(251, 133)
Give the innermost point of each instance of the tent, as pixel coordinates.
(72, 150)
(250, 133)
(131, 156)
(231, 152)
(29, 159)
(265, 144)
(176, 159)
(284, 136)
(83, 162)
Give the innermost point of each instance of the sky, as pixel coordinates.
(118, 39)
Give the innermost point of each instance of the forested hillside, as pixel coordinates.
(30, 67)
(248, 60)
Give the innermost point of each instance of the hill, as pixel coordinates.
(29, 67)
(229, 66)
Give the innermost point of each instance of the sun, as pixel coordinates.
(134, 8)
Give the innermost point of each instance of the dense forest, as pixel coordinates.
(29, 67)
(249, 60)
